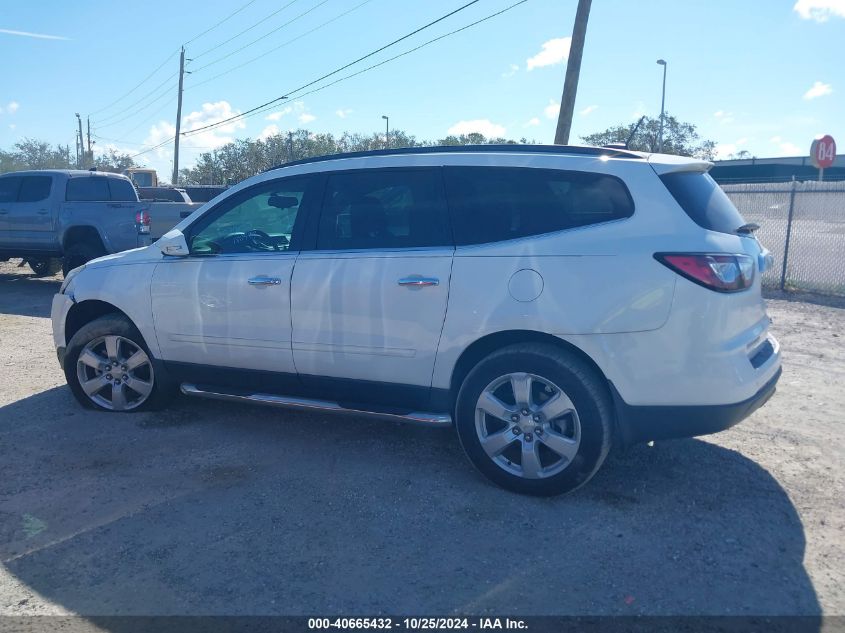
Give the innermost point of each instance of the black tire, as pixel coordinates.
(119, 325)
(44, 267)
(587, 391)
(80, 253)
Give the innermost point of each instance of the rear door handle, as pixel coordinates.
(419, 282)
(264, 281)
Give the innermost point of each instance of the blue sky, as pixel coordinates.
(759, 75)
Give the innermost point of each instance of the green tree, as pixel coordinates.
(679, 138)
(34, 154)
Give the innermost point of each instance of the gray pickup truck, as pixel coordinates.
(75, 216)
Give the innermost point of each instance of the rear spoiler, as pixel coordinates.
(665, 164)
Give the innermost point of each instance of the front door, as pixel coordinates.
(369, 302)
(222, 314)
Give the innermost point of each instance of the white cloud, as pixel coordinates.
(775, 139)
(191, 146)
(306, 118)
(639, 110)
(588, 110)
(267, 132)
(40, 36)
(483, 126)
(12, 126)
(818, 89)
(551, 111)
(554, 51)
(791, 149)
(278, 114)
(724, 117)
(343, 113)
(12, 107)
(532, 122)
(742, 141)
(512, 70)
(820, 10)
(724, 150)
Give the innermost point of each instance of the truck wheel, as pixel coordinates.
(78, 254)
(534, 419)
(44, 267)
(109, 367)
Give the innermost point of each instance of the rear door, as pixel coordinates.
(369, 300)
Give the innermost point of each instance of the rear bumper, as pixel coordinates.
(645, 423)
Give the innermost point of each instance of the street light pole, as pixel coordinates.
(386, 131)
(663, 63)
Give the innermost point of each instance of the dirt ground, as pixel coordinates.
(212, 508)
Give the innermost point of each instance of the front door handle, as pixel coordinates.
(419, 282)
(264, 281)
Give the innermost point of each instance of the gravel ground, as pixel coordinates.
(212, 508)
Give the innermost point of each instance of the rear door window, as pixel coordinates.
(383, 209)
(492, 204)
(9, 188)
(122, 190)
(88, 189)
(35, 188)
(703, 201)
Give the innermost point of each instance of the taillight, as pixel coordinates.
(143, 221)
(716, 271)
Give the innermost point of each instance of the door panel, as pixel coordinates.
(369, 304)
(207, 312)
(228, 303)
(352, 318)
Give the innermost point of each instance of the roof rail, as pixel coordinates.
(563, 150)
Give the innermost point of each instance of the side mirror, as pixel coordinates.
(173, 244)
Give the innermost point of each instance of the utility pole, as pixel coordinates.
(386, 131)
(76, 143)
(90, 153)
(573, 71)
(662, 62)
(175, 178)
(290, 146)
(81, 142)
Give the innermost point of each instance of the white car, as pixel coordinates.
(549, 301)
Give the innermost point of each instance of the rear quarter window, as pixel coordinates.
(9, 188)
(492, 204)
(122, 190)
(87, 189)
(703, 201)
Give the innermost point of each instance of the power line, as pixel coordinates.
(274, 49)
(141, 83)
(407, 52)
(238, 50)
(211, 28)
(156, 97)
(246, 30)
(337, 70)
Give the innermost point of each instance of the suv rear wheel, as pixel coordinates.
(534, 419)
(108, 367)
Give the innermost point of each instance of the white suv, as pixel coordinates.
(549, 300)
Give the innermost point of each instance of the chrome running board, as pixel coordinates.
(321, 406)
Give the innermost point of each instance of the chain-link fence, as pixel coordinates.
(803, 225)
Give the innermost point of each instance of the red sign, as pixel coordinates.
(823, 152)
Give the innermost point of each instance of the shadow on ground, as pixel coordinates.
(210, 508)
(27, 295)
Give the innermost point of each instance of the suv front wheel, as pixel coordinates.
(108, 367)
(534, 419)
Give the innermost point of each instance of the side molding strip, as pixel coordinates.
(306, 404)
